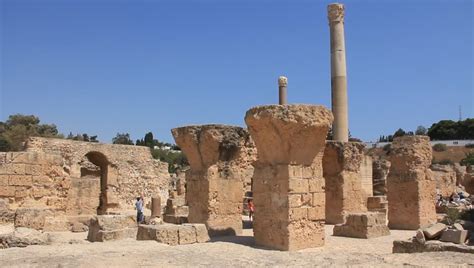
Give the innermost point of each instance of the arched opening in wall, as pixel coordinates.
(101, 161)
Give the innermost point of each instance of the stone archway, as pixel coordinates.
(101, 161)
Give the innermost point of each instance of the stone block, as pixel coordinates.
(175, 219)
(33, 170)
(187, 235)
(3, 180)
(201, 233)
(56, 224)
(363, 225)
(17, 169)
(167, 234)
(23, 237)
(420, 237)
(298, 185)
(31, 217)
(20, 180)
(112, 227)
(454, 236)
(7, 191)
(434, 230)
(458, 226)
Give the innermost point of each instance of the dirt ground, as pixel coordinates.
(72, 250)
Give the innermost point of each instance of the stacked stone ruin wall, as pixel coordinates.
(49, 174)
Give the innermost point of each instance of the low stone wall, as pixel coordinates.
(413, 246)
(173, 234)
(63, 178)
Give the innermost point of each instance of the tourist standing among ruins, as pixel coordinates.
(251, 208)
(139, 207)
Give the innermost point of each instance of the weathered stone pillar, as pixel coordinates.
(219, 160)
(410, 185)
(156, 207)
(340, 127)
(282, 90)
(342, 173)
(288, 184)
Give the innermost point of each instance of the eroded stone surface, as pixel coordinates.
(342, 173)
(112, 227)
(363, 225)
(220, 158)
(380, 169)
(288, 183)
(410, 184)
(71, 178)
(445, 178)
(173, 234)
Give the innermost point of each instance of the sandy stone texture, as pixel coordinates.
(445, 178)
(288, 186)
(342, 173)
(67, 179)
(410, 184)
(220, 158)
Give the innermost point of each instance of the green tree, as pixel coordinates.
(122, 138)
(399, 133)
(421, 130)
(18, 128)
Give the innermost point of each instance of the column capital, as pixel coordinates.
(282, 81)
(335, 13)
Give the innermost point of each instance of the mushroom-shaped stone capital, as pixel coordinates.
(282, 81)
(289, 134)
(205, 145)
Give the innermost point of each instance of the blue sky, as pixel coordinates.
(104, 66)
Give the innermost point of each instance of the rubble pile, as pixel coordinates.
(458, 237)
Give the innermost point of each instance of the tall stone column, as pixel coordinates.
(282, 90)
(339, 107)
(288, 184)
(220, 158)
(410, 184)
(342, 174)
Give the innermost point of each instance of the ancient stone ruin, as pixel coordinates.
(220, 158)
(342, 173)
(288, 186)
(410, 184)
(56, 184)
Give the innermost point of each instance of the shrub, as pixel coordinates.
(387, 147)
(469, 145)
(439, 147)
(468, 160)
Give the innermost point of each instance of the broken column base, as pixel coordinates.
(363, 225)
(413, 246)
(173, 234)
(112, 227)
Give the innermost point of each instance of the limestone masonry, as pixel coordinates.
(410, 184)
(288, 186)
(63, 179)
(220, 158)
(342, 173)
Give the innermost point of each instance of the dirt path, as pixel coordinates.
(223, 252)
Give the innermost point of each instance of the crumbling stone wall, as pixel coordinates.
(288, 186)
(79, 178)
(410, 184)
(342, 173)
(220, 158)
(445, 178)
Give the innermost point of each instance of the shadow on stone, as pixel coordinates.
(246, 224)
